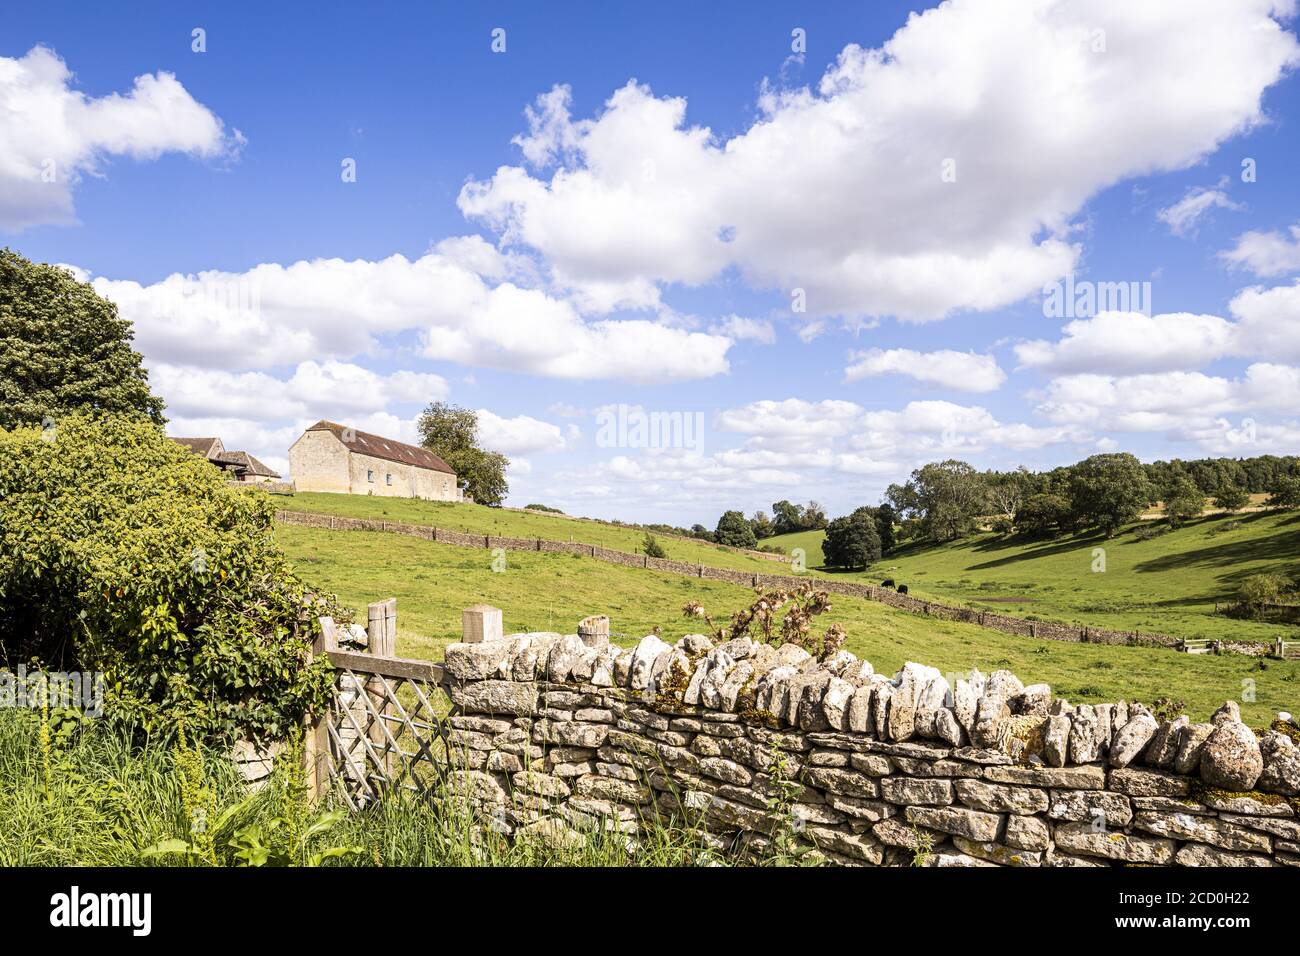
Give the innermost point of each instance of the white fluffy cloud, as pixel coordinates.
(738, 327)
(273, 315)
(864, 441)
(51, 135)
(522, 434)
(1182, 216)
(1180, 404)
(1266, 253)
(792, 421)
(1268, 322)
(1265, 324)
(833, 450)
(926, 430)
(839, 190)
(1130, 342)
(963, 371)
(315, 390)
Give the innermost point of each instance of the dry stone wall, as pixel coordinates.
(551, 735)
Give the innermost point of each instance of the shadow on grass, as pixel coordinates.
(1030, 552)
(1281, 545)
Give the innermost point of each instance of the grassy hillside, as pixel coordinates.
(1166, 584)
(477, 519)
(810, 541)
(433, 583)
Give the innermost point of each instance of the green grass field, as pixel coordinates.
(477, 519)
(1167, 584)
(434, 582)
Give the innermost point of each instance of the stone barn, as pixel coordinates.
(240, 465)
(336, 458)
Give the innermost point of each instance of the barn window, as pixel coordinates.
(370, 475)
(388, 479)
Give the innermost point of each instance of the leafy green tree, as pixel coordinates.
(734, 531)
(451, 432)
(63, 349)
(1185, 502)
(124, 553)
(1285, 493)
(787, 517)
(1108, 491)
(814, 517)
(852, 541)
(885, 518)
(761, 524)
(1231, 497)
(945, 497)
(1006, 491)
(1042, 515)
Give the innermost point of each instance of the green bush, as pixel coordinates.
(652, 547)
(122, 552)
(1260, 589)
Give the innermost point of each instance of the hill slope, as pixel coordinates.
(1166, 584)
(539, 591)
(477, 519)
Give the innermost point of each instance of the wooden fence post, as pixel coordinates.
(382, 631)
(316, 735)
(594, 631)
(481, 622)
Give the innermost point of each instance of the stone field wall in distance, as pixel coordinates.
(1045, 630)
(555, 734)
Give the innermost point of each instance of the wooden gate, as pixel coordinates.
(384, 728)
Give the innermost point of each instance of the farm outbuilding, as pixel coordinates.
(239, 464)
(337, 458)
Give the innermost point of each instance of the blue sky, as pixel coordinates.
(639, 237)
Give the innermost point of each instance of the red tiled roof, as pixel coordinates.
(388, 449)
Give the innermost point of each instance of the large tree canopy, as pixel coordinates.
(451, 432)
(64, 349)
(852, 542)
(944, 496)
(734, 531)
(1109, 491)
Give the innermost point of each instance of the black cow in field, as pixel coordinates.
(887, 583)
(902, 589)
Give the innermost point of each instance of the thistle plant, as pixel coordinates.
(778, 615)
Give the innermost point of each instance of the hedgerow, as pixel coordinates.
(123, 552)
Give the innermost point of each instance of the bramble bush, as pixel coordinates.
(123, 552)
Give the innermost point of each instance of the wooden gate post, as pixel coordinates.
(316, 734)
(594, 631)
(382, 631)
(479, 623)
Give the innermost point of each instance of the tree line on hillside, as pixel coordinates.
(947, 500)
(943, 501)
(737, 531)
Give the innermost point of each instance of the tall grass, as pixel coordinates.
(87, 793)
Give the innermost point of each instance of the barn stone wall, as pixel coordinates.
(318, 461)
(746, 740)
